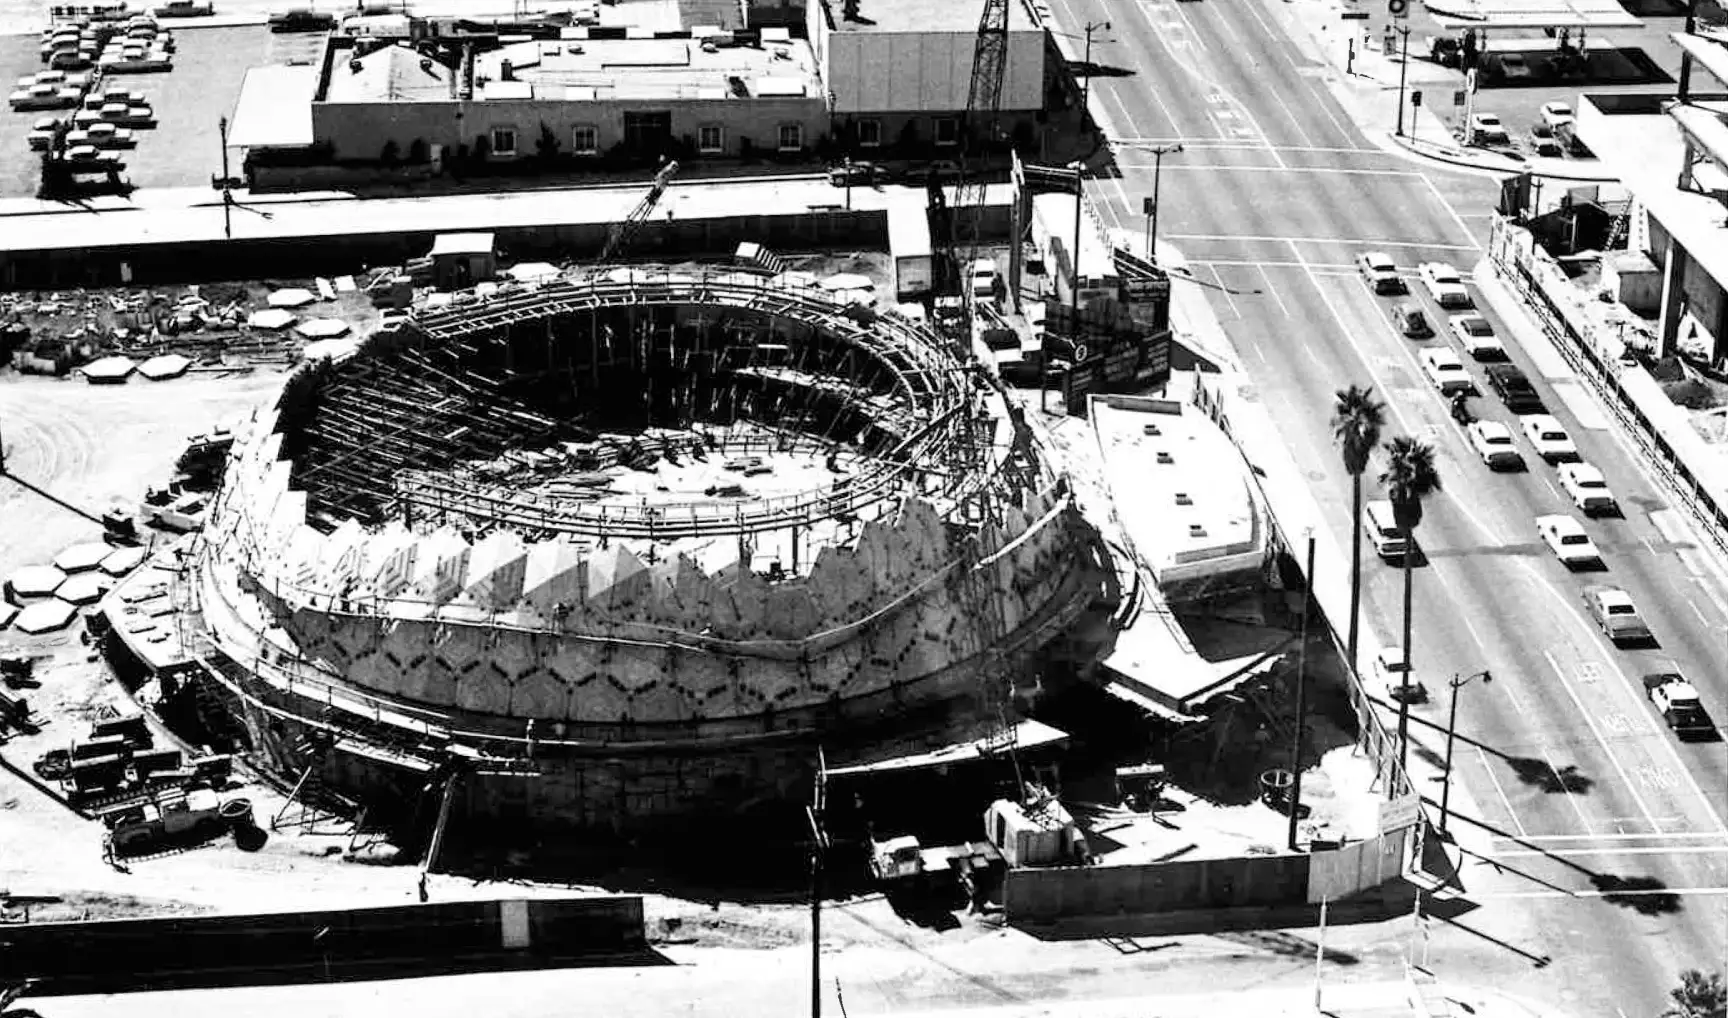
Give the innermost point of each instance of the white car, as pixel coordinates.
(1486, 129)
(1477, 337)
(1392, 668)
(1445, 285)
(1493, 442)
(1549, 437)
(1556, 115)
(42, 134)
(1377, 268)
(1566, 538)
(983, 279)
(1445, 370)
(1588, 489)
(1614, 611)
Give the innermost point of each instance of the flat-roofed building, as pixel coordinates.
(576, 98)
(900, 71)
(1183, 496)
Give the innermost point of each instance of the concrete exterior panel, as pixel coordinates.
(879, 72)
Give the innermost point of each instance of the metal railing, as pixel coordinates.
(1604, 376)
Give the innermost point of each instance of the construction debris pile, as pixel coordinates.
(220, 327)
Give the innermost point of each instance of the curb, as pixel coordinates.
(1447, 157)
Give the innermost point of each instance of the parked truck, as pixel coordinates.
(909, 243)
(1677, 701)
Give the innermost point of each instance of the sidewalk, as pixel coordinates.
(1346, 1000)
(1367, 88)
(1292, 502)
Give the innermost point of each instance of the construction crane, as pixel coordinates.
(983, 104)
(619, 237)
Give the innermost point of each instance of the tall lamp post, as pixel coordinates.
(1158, 154)
(1451, 733)
(1086, 85)
(1403, 69)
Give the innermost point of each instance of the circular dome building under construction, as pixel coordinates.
(626, 550)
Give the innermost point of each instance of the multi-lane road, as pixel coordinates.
(1595, 842)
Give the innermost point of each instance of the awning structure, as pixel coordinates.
(1457, 15)
(275, 108)
(1028, 734)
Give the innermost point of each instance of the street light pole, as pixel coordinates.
(1158, 154)
(1403, 69)
(1451, 734)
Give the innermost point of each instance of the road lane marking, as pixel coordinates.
(1131, 143)
(1613, 758)
(1471, 629)
(1529, 853)
(1224, 288)
(1627, 893)
(1352, 241)
(1657, 836)
(1342, 171)
(1465, 230)
(1500, 790)
(1332, 267)
(1320, 96)
(1273, 290)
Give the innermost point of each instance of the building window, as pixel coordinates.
(504, 142)
(710, 138)
(791, 137)
(869, 133)
(585, 140)
(947, 131)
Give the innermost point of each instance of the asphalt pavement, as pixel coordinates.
(1596, 841)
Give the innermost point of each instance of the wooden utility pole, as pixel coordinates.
(818, 849)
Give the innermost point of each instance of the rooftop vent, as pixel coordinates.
(1183, 499)
(426, 64)
(1196, 530)
(1150, 429)
(1164, 457)
(506, 71)
(355, 66)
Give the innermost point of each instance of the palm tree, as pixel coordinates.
(1698, 996)
(1357, 418)
(1409, 477)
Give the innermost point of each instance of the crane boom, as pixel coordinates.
(983, 104)
(619, 237)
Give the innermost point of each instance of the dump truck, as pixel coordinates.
(1677, 701)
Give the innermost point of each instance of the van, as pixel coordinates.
(1382, 530)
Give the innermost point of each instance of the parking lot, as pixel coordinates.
(1634, 60)
(184, 149)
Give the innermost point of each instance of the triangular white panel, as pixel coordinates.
(497, 570)
(390, 561)
(554, 575)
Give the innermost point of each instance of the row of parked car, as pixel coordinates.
(1495, 443)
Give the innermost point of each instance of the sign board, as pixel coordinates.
(1398, 8)
(1397, 814)
(1146, 206)
(1458, 97)
(1416, 99)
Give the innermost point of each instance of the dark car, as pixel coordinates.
(859, 174)
(1412, 322)
(1515, 390)
(302, 19)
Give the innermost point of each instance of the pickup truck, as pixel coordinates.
(1677, 701)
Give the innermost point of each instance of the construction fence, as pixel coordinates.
(1691, 468)
(1036, 896)
(134, 954)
